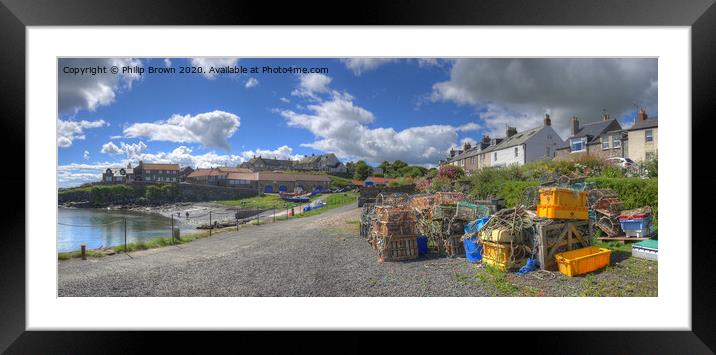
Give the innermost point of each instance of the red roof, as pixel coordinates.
(380, 180)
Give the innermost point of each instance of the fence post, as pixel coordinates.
(83, 250)
(274, 213)
(172, 232)
(258, 216)
(125, 235)
(210, 225)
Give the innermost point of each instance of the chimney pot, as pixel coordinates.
(642, 115)
(575, 125)
(547, 120)
(466, 146)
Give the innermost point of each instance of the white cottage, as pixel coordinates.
(519, 148)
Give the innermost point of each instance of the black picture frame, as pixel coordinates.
(700, 16)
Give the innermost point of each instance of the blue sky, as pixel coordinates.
(361, 108)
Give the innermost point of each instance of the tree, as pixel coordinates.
(398, 164)
(362, 170)
(412, 171)
(350, 168)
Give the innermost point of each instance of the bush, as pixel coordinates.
(512, 191)
(100, 195)
(450, 172)
(161, 193)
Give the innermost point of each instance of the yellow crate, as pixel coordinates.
(498, 256)
(582, 261)
(561, 203)
(496, 236)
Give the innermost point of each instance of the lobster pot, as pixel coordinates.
(394, 228)
(443, 211)
(467, 211)
(397, 248)
(454, 246)
(422, 202)
(449, 198)
(395, 214)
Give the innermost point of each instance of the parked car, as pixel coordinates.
(621, 162)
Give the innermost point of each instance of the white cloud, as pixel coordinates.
(110, 148)
(167, 62)
(211, 129)
(283, 152)
(341, 128)
(207, 63)
(86, 91)
(86, 155)
(312, 84)
(68, 131)
(519, 92)
(252, 82)
(285, 100)
(361, 65)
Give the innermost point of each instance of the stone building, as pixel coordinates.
(156, 172)
(643, 137)
(601, 139)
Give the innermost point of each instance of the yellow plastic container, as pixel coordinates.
(582, 261)
(498, 256)
(560, 203)
(496, 236)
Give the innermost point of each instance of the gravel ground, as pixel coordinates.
(322, 255)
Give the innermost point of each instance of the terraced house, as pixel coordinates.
(643, 137)
(602, 139)
(539, 143)
(156, 172)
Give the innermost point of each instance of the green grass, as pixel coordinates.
(339, 182)
(265, 202)
(633, 277)
(143, 245)
(497, 279)
(332, 201)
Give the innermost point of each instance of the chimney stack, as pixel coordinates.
(642, 115)
(511, 131)
(547, 120)
(466, 146)
(575, 125)
(486, 139)
(452, 152)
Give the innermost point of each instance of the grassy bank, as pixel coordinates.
(153, 243)
(265, 202)
(332, 201)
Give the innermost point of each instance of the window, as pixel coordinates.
(547, 151)
(648, 136)
(578, 144)
(605, 143)
(516, 152)
(494, 156)
(616, 142)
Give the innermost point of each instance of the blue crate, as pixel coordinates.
(422, 245)
(635, 224)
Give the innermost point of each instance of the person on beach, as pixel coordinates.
(187, 214)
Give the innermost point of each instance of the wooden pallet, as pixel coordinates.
(623, 239)
(556, 237)
(397, 248)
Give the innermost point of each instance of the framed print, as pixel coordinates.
(421, 168)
